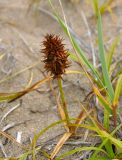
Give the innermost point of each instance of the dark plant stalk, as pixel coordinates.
(115, 115)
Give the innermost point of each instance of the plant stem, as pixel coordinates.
(63, 100)
(115, 115)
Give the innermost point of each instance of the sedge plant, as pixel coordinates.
(105, 87)
(56, 62)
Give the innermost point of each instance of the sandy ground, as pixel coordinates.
(21, 33)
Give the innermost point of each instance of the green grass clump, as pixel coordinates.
(107, 94)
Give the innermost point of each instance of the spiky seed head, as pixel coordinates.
(55, 55)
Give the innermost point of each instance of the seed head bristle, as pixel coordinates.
(55, 55)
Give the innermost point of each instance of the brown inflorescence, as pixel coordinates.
(55, 55)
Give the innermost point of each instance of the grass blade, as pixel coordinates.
(60, 144)
(111, 51)
(12, 96)
(102, 100)
(116, 98)
(95, 6)
(117, 91)
(105, 72)
(78, 150)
